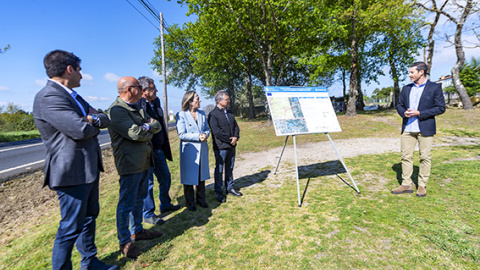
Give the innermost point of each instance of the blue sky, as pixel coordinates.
(113, 40)
(110, 36)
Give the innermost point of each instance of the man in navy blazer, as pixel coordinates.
(418, 105)
(69, 127)
(225, 134)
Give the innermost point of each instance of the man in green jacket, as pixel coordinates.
(131, 130)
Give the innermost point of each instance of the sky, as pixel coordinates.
(111, 38)
(114, 40)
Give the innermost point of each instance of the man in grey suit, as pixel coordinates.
(69, 127)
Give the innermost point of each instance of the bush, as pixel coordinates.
(12, 118)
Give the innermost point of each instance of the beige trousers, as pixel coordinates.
(408, 142)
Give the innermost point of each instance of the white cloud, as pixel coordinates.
(94, 99)
(41, 82)
(87, 77)
(111, 77)
(155, 74)
(4, 88)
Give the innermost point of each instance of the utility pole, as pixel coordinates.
(164, 76)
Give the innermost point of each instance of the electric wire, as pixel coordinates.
(142, 15)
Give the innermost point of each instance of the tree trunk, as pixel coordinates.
(351, 106)
(251, 106)
(361, 102)
(431, 41)
(344, 79)
(462, 92)
(396, 86)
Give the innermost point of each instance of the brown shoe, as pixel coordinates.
(145, 235)
(402, 189)
(421, 191)
(130, 250)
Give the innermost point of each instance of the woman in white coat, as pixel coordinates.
(193, 131)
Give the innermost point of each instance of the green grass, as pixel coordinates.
(13, 136)
(335, 228)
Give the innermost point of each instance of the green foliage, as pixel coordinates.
(470, 76)
(382, 93)
(449, 89)
(13, 118)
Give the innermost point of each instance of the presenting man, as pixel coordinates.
(418, 105)
(225, 134)
(131, 130)
(69, 127)
(161, 152)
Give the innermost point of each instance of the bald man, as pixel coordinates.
(131, 130)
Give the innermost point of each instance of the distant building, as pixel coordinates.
(446, 81)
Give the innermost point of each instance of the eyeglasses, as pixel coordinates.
(149, 89)
(227, 99)
(139, 86)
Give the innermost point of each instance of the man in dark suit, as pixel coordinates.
(418, 105)
(225, 134)
(161, 152)
(69, 127)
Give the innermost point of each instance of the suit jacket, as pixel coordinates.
(193, 153)
(159, 140)
(131, 144)
(431, 103)
(73, 154)
(222, 129)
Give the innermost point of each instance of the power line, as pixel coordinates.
(143, 15)
(150, 10)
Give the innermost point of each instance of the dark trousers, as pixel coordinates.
(190, 195)
(79, 208)
(224, 161)
(164, 180)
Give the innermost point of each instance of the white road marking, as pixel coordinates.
(22, 166)
(20, 147)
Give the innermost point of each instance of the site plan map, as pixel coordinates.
(301, 110)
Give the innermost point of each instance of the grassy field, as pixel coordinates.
(13, 136)
(336, 228)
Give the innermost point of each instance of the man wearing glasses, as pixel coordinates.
(161, 152)
(225, 134)
(131, 130)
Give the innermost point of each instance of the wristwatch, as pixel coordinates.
(95, 120)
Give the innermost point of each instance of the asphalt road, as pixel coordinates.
(28, 155)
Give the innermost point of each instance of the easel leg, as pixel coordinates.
(280, 158)
(296, 171)
(341, 160)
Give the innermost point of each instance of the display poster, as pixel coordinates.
(301, 110)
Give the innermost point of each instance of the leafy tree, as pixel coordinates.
(350, 28)
(382, 93)
(470, 76)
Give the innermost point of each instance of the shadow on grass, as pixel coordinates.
(181, 222)
(333, 167)
(397, 168)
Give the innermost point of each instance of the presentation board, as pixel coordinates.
(301, 110)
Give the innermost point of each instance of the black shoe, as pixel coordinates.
(235, 193)
(192, 208)
(172, 208)
(221, 200)
(203, 205)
